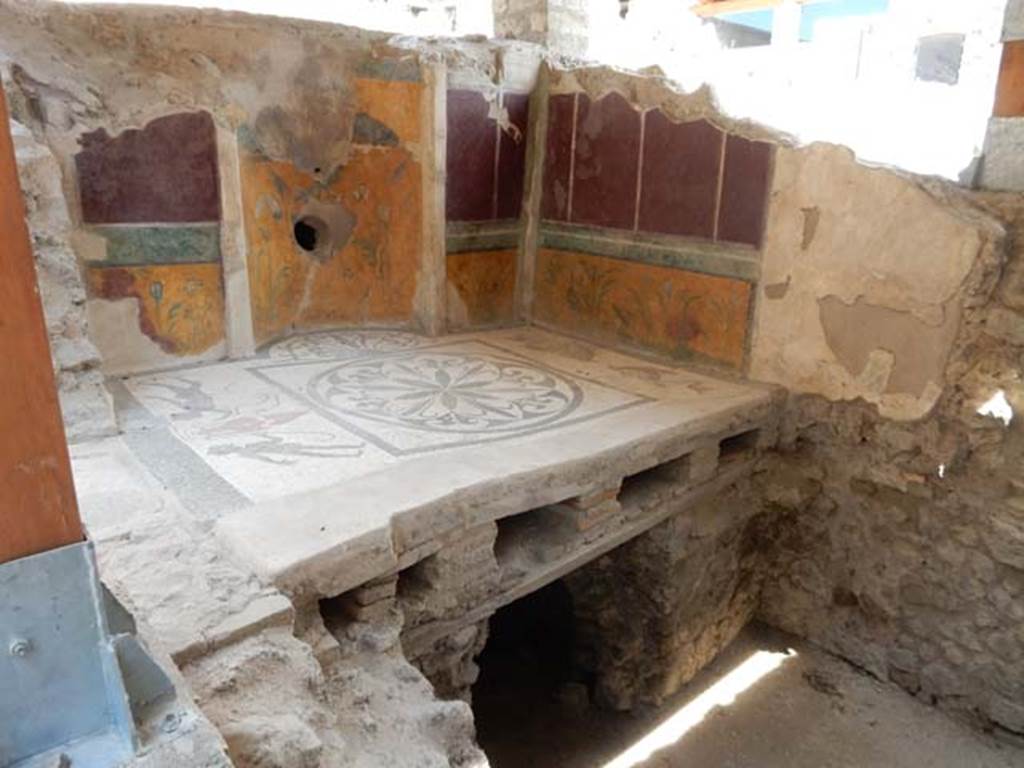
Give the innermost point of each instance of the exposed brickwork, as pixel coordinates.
(653, 612)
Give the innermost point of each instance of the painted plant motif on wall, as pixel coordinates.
(181, 306)
(150, 200)
(655, 187)
(684, 314)
(362, 260)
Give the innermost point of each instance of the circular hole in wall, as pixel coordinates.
(310, 234)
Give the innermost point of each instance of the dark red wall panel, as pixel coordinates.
(472, 142)
(744, 191)
(606, 159)
(558, 157)
(165, 172)
(512, 156)
(679, 187)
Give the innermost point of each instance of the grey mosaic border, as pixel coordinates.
(198, 487)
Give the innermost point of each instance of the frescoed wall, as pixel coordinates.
(686, 315)
(481, 289)
(151, 242)
(651, 228)
(486, 167)
(340, 245)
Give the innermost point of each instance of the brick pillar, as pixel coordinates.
(653, 612)
(38, 511)
(442, 588)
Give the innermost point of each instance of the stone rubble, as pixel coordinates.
(85, 402)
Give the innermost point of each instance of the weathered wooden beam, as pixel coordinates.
(38, 510)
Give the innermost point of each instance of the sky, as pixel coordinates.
(812, 13)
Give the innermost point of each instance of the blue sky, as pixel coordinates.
(813, 12)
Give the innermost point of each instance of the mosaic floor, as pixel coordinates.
(320, 408)
(330, 456)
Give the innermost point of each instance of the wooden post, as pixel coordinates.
(38, 510)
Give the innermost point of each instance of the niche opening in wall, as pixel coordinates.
(530, 686)
(738, 447)
(312, 236)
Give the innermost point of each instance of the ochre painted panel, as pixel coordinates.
(393, 104)
(181, 306)
(481, 289)
(368, 272)
(686, 315)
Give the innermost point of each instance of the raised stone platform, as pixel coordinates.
(419, 483)
(334, 458)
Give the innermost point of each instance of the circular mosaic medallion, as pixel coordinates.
(447, 392)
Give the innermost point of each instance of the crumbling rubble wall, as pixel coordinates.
(84, 401)
(891, 308)
(652, 613)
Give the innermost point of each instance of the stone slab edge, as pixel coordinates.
(328, 541)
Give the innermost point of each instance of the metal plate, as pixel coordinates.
(59, 678)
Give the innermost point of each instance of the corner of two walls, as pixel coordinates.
(488, 128)
(187, 235)
(650, 221)
(365, 201)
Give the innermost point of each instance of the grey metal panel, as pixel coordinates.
(146, 683)
(59, 679)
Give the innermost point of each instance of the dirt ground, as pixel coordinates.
(792, 706)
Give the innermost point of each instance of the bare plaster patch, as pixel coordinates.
(124, 348)
(777, 290)
(90, 247)
(812, 216)
(854, 333)
(861, 264)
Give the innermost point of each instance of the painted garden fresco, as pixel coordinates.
(686, 315)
